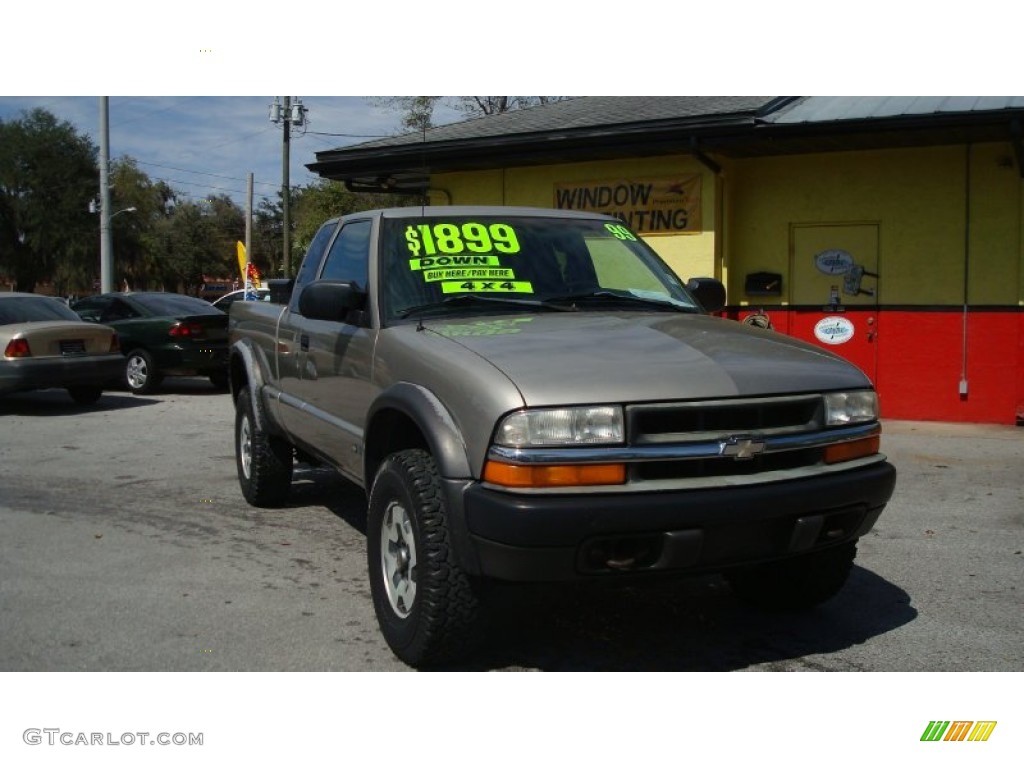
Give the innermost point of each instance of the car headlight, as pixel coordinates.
(843, 408)
(587, 425)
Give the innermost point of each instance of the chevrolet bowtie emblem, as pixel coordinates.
(741, 447)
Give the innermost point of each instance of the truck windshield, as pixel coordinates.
(531, 261)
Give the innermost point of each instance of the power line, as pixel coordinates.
(205, 173)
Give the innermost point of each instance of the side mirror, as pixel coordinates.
(330, 300)
(280, 289)
(709, 292)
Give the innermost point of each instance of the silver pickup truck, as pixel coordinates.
(533, 395)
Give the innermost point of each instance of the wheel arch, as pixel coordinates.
(407, 415)
(244, 370)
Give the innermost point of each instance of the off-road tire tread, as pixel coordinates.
(270, 472)
(448, 600)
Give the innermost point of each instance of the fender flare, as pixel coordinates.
(255, 379)
(434, 422)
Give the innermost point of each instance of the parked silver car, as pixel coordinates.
(46, 345)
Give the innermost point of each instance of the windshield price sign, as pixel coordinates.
(471, 236)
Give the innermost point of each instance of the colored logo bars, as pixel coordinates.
(958, 730)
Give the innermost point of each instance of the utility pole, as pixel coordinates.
(291, 114)
(106, 255)
(248, 236)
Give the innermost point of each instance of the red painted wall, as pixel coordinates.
(917, 356)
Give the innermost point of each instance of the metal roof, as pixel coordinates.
(821, 109)
(616, 127)
(579, 113)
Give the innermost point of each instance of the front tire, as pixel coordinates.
(140, 373)
(796, 584)
(264, 461)
(428, 609)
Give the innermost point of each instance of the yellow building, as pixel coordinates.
(886, 229)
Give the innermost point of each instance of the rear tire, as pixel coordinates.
(140, 373)
(85, 395)
(264, 461)
(428, 609)
(798, 583)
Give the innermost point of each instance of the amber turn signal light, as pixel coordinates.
(855, 449)
(553, 475)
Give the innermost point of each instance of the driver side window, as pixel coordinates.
(350, 255)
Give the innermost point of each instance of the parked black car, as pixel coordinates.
(163, 334)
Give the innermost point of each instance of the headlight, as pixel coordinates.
(591, 425)
(850, 407)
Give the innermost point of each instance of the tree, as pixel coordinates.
(321, 200)
(136, 251)
(493, 105)
(418, 111)
(198, 239)
(48, 176)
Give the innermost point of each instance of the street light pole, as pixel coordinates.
(286, 187)
(106, 252)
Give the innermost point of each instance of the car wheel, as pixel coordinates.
(264, 461)
(85, 395)
(798, 583)
(140, 373)
(428, 609)
(220, 380)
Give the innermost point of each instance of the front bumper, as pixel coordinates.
(518, 537)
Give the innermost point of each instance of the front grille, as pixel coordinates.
(680, 424)
(725, 466)
(69, 347)
(673, 422)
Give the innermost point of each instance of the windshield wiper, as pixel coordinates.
(470, 298)
(611, 297)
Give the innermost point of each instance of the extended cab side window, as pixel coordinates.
(350, 255)
(311, 263)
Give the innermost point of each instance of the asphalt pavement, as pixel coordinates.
(127, 546)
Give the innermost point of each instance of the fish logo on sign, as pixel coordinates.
(833, 330)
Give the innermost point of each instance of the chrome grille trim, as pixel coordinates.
(681, 451)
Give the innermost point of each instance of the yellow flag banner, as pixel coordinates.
(649, 206)
(241, 259)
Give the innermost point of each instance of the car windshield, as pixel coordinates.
(174, 304)
(30, 309)
(437, 264)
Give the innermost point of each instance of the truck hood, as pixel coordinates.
(632, 357)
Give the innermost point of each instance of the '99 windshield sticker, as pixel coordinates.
(620, 232)
(448, 238)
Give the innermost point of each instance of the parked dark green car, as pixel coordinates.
(163, 334)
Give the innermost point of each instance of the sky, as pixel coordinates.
(207, 145)
(184, 81)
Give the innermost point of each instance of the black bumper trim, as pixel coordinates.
(530, 538)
